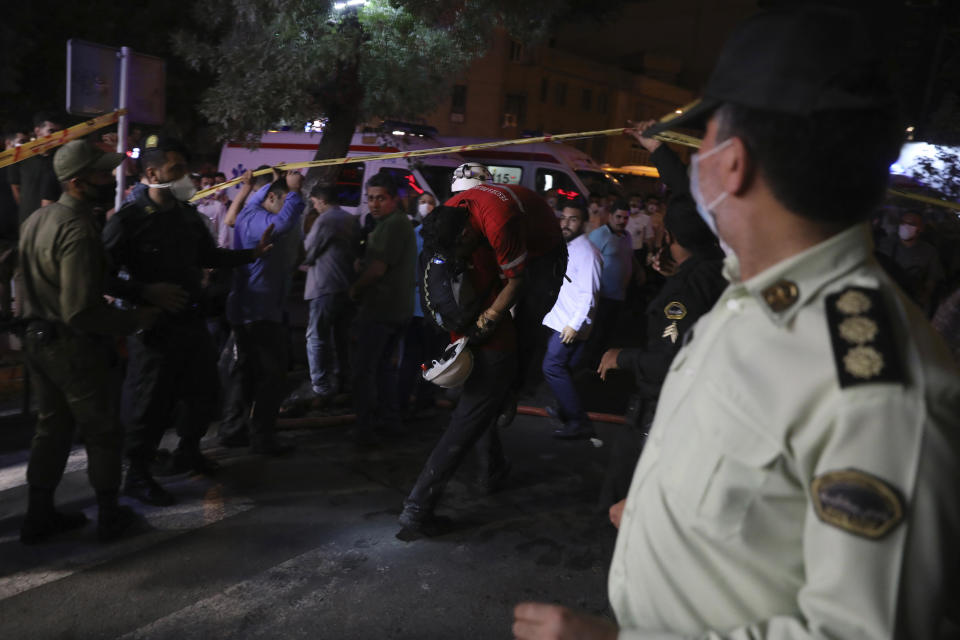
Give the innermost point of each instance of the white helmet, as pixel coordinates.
(454, 368)
(469, 175)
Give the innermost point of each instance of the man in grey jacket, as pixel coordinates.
(331, 246)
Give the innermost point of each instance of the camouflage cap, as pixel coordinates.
(78, 156)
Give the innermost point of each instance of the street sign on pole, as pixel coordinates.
(102, 79)
(93, 82)
(147, 98)
(91, 78)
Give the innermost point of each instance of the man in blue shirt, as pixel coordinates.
(255, 311)
(616, 247)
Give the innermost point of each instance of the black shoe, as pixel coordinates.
(184, 462)
(144, 488)
(235, 441)
(293, 408)
(417, 524)
(507, 413)
(494, 481)
(113, 523)
(273, 448)
(320, 401)
(575, 431)
(35, 530)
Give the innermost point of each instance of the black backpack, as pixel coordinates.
(447, 296)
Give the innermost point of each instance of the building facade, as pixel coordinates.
(515, 90)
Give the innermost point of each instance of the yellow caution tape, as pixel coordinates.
(54, 140)
(667, 136)
(927, 199)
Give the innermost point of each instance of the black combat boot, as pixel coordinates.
(141, 485)
(43, 520)
(113, 520)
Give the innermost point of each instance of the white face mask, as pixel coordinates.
(703, 208)
(182, 189)
(907, 232)
(424, 208)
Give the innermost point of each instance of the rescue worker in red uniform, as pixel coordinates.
(518, 257)
(524, 235)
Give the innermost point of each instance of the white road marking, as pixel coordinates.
(240, 609)
(61, 559)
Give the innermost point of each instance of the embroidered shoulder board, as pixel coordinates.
(857, 502)
(863, 344)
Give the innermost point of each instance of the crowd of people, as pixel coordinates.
(790, 447)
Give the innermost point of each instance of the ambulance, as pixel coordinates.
(544, 167)
(413, 175)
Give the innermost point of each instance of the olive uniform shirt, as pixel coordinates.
(64, 266)
(801, 476)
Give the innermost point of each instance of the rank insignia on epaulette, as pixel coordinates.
(856, 502)
(863, 345)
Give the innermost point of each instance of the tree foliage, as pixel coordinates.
(295, 60)
(941, 172)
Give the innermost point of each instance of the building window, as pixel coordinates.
(544, 89)
(516, 51)
(515, 110)
(458, 103)
(560, 94)
(602, 102)
(586, 99)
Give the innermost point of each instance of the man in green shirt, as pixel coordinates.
(63, 265)
(384, 293)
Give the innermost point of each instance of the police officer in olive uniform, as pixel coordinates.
(800, 480)
(160, 244)
(67, 353)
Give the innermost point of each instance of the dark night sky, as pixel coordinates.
(676, 40)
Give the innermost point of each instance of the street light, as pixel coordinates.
(340, 6)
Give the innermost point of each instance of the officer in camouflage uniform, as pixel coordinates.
(63, 265)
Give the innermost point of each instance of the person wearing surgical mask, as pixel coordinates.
(426, 204)
(161, 244)
(918, 261)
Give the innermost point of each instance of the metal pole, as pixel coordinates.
(122, 123)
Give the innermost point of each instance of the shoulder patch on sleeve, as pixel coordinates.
(857, 502)
(863, 345)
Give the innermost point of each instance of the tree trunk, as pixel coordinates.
(335, 143)
(341, 100)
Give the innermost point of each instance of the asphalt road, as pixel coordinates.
(305, 546)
